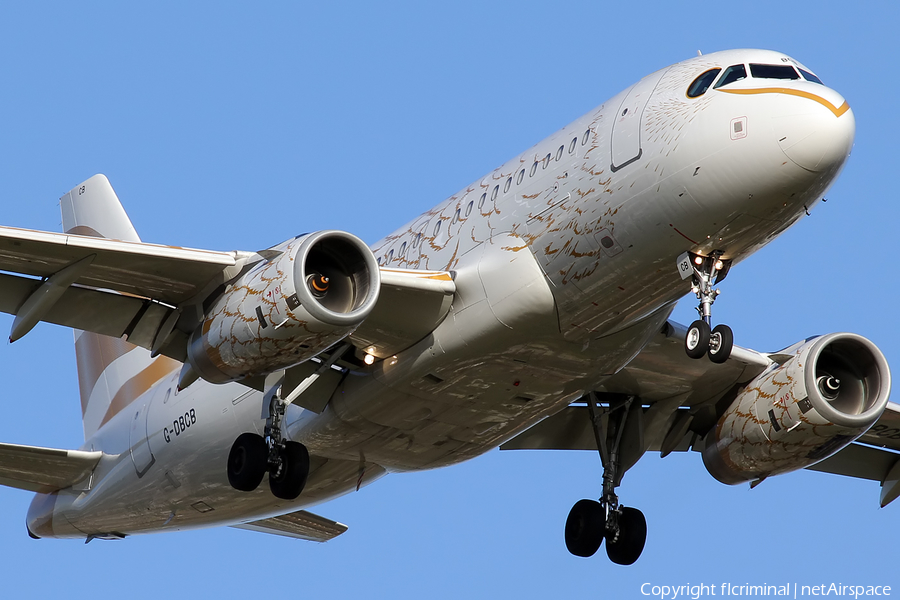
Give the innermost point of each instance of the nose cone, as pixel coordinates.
(816, 130)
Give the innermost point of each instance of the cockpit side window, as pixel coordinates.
(810, 77)
(702, 83)
(732, 74)
(773, 71)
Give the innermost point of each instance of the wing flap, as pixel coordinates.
(44, 470)
(301, 525)
(859, 461)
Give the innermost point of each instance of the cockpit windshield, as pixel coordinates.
(702, 83)
(732, 74)
(810, 77)
(773, 71)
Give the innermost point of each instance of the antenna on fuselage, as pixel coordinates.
(699, 53)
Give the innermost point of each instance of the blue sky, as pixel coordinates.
(228, 127)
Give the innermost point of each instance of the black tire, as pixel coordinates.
(696, 342)
(585, 528)
(721, 342)
(247, 462)
(632, 535)
(291, 477)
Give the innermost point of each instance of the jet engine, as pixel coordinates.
(800, 412)
(287, 309)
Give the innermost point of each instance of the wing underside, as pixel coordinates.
(679, 397)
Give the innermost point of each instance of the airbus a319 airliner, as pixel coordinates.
(529, 310)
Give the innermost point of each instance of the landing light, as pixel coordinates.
(719, 265)
(369, 359)
(698, 260)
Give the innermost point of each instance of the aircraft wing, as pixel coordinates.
(120, 288)
(680, 396)
(110, 287)
(44, 470)
(681, 393)
(301, 525)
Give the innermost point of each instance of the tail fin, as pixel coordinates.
(111, 372)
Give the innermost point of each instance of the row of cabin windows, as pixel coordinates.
(544, 163)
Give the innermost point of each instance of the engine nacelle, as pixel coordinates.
(288, 309)
(802, 411)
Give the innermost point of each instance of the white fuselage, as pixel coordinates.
(564, 261)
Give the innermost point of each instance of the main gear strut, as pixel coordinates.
(590, 521)
(252, 455)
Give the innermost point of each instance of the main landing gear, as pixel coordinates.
(253, 455)
(618, 432)
(715, 342)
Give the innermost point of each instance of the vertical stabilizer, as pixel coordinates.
(111, 372)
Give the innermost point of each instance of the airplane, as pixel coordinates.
(530, 310)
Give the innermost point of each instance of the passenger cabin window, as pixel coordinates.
(773, 71)
(402, 249)
(533, 169)
(507, 184)
(521, 176)
(559, 153)
(481, 202)
(469, 208)
(494, 192)
(732, 74)
(572, 145)
(546, 161)
(702, 83)
(810, 77)
(437, 228)
(456, 216)
(390, 256)
(584, 138)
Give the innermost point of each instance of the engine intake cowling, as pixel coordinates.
(288, 309)
(800, 412)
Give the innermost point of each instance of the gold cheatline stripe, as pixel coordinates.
(838, 111)
(439, 275)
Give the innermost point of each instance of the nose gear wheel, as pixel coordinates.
(701, 337)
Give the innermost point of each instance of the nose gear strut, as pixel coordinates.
(701, 337)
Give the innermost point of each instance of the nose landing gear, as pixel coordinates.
(619, 436)
(253, 455)
(701, 339)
